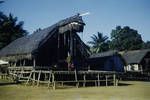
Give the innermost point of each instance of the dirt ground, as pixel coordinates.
(128, 90)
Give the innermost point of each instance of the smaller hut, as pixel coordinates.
(107, 61)
(3, 66)
(137, 60)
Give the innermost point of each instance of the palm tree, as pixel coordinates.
(10, 29)
(99, 43)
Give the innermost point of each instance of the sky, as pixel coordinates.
(104, 16)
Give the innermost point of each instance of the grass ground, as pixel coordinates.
(131, 90)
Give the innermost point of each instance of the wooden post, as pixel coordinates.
(15, 64)
(114, 79)
(53, 80)
(23, 70)
(49, 80)
(76, 79)
(20, 74)
(98, 79)
(29, 78)
(106, 80)
(84, 78)
(95, 83)
(38, 78)
(20, 63)
(24, 62)
(45, 76)
(33, 78)
(62, 84)
(34, 63)
(117, 81)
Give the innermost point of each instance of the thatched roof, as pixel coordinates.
(135, 56)
(26, 46)
(104, 54)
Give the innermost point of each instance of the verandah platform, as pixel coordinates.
(56, 78)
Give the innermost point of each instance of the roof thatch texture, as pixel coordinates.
(104, 54)
(135, 56)
(26, 46)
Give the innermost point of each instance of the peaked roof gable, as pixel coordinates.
(135, 56)
(28, 44)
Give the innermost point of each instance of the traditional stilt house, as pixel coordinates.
(107, 61)
(137, 60)
(56, 46)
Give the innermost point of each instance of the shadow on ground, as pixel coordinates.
(3, 83)
(124, 84)
(11, 83)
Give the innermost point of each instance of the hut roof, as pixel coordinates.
(135, 56)
(104, 54)
(27, 45)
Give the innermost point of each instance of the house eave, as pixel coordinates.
(16, 57)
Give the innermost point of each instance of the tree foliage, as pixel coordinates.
(1, 2)
(146, 45)
(10, 29)
(125, 39)
(99, 43)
